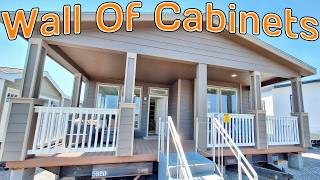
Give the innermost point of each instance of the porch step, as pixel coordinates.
(201, 167)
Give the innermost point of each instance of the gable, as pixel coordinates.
(197, 47)
(48, 90)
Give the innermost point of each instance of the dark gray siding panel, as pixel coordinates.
(173, 102)
(245, 100)
(186, 121)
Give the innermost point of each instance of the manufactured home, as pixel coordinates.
(176, 105)
(277, 100)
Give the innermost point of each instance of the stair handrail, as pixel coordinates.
(182, 166)
(243, 163)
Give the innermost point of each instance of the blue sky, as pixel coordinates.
(13, 52)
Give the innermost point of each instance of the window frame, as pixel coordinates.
(219, 90)
(118, 86)
(141, 102)
(121, 98)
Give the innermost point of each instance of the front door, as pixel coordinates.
(158, 106)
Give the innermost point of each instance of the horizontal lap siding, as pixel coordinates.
(15, 131)
(195, 47)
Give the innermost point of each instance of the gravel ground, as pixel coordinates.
(310, 171)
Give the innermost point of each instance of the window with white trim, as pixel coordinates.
(221, 100)
(138, 101)
(108, 96)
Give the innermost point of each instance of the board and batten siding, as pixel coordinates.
(198, 47)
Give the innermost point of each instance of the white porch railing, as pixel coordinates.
(65, 129)
(219, 135)
(168, 133)
(240, 127)
(282, 130)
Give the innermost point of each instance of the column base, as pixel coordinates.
(261, 137)
(295, 161)
(304, 129)
(126, 130)
(22, 174)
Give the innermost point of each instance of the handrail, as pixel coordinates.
(282, 130)
(223, 136)
(240, 127)
(182, 165)
(74, 129)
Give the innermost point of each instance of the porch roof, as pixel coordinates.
(89, 18)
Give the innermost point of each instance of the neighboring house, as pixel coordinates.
(278, 102)
(10, 84)
(209, 84)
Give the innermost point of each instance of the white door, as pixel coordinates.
(160, 111)
(9, 94)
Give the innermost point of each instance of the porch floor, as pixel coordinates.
(144, 151)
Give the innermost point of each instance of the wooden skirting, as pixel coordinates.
(79, 161)
(269, 150)
(144, 151)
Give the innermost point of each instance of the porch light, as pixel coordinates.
(234, 75)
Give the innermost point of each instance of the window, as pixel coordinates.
(228, 101)
(213, 100)
(108, 97)
(137, 100)
(222, 100)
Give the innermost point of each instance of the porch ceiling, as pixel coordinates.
(103, 65)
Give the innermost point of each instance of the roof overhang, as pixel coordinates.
(303, 68)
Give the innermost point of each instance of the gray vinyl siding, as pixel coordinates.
(90, 96)
(245, 100)
(204, 47)
(186, 108)
(16, 129)
(173, 102)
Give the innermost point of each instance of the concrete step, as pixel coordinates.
(201, 167)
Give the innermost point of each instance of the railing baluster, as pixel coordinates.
(115, 130)
(56, 125)
(108, 131)
(71, 130)
(84, 133)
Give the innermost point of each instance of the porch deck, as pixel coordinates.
(144, 151)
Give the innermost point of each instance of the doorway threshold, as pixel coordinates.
(151, 137)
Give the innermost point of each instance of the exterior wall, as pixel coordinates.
(281, 105)
(211, 49)
(245, 104)
(173, 102)
(185, 106)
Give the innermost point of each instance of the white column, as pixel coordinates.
(200, 90)
(76, 92)
(33, 69)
